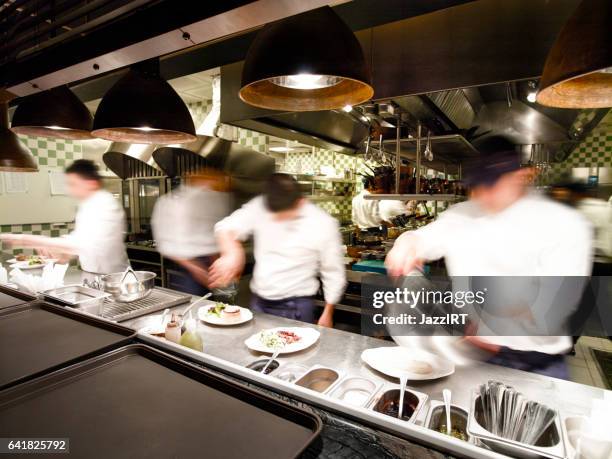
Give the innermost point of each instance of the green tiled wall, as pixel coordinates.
(594, 151)
(254, 140)
(53, 153)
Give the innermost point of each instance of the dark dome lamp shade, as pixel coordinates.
(578, 69)
(308, 62)
(143, 108)
(56, 113)
(14, 155)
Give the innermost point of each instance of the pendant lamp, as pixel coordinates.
(56, 113)
(14, 155)
(311, 61)
(578, 69)
(143, 108)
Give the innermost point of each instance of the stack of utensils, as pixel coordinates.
(509, 414)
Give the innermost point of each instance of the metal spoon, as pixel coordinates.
(446, 394)
(188, 308)
(403, 381)
(163, 316)
(274, 355)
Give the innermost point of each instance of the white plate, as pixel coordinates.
(26, 265)
(396, 361)
(204, 316)
(309, 337)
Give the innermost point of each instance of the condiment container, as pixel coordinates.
(191, 337)
(173, 330)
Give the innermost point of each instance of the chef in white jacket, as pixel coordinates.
(296, 243)
(504, 230)
(100, 225)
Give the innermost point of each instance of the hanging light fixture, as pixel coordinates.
(578, 69)
(14, 155)
(311, 61)
(57, 113)
(143, 108)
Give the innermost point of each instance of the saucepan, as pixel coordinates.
(129, 285)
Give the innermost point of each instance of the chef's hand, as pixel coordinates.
(402, 259)
(481, 344)
(226, 269)
(327, 317)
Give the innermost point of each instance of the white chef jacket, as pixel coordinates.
(533, 237)
(99, 233)
(389, 209)
(289, 254)
(365, 212)
(183, 221)
(599, 213)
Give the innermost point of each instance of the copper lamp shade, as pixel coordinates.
(578, 70)
(14, 155)
(143, 108)
(311, 61)
(56, 113)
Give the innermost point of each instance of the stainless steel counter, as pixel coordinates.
(225, 350)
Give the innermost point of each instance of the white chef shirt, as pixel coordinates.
(99, 233)
(599, 213)
(183, 221)
(289, 254)
(389, 209)
(533, 237)
(365, 212)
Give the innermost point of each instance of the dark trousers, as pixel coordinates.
(535, 362)
(296, 308)
(186, 282)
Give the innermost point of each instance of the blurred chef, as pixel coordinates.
(183, 226)
(295, 244)
(504, 230)
(100, 226)
(365, 211)
(370, 214)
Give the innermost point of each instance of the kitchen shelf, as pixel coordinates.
(307, 179)
(317, 198)
(414, 197)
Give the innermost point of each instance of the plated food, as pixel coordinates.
(224, 314)
(31, 262)
(415, 364)
(283, 339)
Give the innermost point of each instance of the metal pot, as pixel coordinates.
(132, 288)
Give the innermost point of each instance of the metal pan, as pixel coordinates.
(78, 296)
(137, 401)
(36, 338)
(551, 445)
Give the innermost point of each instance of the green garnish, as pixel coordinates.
(216, 309)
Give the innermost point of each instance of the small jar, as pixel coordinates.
(173, 330)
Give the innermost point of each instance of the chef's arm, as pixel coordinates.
(230, 232)
(51, 244)
(332, 271)
(414, 247)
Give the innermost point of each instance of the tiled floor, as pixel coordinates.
(582, 367)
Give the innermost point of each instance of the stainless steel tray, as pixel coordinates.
(355, 390)
(553, 446)
(160, 298)
(75, 295)
(421, 399)
(317, 377)
(436, 409)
